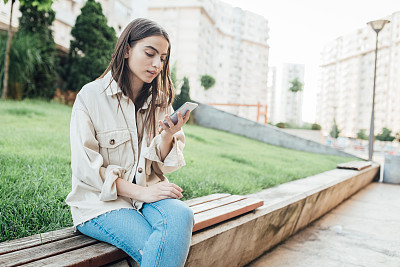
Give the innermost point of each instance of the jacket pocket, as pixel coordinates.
(116, 148)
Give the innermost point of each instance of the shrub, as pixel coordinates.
(362, 135)
(281, 125)
(315, 126)
(24, 56)
(207, 81)
(385, 135)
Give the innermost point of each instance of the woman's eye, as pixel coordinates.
(149, 55)
(163, 59)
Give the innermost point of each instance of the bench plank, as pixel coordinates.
(35, 240)
(35, 253)
(204, 199)
(217, 215)
(216, 203)
(95, 255)
(354, 165)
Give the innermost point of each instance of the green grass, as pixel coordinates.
(35, 175)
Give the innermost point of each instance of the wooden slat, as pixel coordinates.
(95, 255)
(354, 165)
(200, 200)
(27, 255)
(216, 203)
(226, 212)
(35, 240)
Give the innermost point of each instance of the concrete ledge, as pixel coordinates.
(287, 209)
(211, 117)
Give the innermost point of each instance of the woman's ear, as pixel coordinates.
(128, 50)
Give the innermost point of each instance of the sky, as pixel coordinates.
(300, 28)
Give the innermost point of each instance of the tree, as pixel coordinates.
(207, 81)
(334, 133)
(173, 76)
(41, 5)
(385, 135)
(37, 22)
(362, 134)
(296, 85)
(184, 96)
(91, 47)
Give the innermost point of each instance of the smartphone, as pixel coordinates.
(183, 109)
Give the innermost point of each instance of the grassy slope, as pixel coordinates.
(35, 174)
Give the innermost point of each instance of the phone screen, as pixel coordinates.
(182, 109)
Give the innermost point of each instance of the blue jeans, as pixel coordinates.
(158, 236)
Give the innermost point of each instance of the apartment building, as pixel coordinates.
(228, 43)
(5, 16)
(347, 74)
(272, 95)
(118, 13)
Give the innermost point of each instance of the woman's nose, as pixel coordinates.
(157, 62)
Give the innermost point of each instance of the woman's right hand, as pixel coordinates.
(161, 190)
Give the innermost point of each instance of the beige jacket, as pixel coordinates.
(104, 146)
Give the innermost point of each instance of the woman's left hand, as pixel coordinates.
(168, 132)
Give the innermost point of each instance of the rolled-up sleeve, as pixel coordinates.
(174, 160)
(86, 161)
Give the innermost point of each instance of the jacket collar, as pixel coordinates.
(113, 89)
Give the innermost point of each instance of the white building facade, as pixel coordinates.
(347, 77)
(230, 44)
(5, 16)
(119, 13)
(272, 111)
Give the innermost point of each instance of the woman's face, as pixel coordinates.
(146, 59)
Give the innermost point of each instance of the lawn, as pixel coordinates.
(35, 175)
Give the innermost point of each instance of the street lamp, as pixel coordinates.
(377, 26)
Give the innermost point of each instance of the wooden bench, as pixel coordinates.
(68, 248)
(354, 165)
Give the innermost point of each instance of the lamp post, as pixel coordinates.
(377, 26)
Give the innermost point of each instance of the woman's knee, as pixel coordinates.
(179, 210)
(186, 212)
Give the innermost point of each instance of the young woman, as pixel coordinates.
(120, 150)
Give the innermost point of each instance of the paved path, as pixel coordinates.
(362, 231)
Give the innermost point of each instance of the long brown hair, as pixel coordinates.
(160, 89)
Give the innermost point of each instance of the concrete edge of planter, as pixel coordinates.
(287, 209)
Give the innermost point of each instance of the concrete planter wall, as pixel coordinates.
(287, 209)
(211, 117)
(391, 170)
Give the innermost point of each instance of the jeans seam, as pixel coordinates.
(119, 241)
(163, 238)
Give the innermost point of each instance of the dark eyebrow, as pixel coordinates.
(149, 46)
